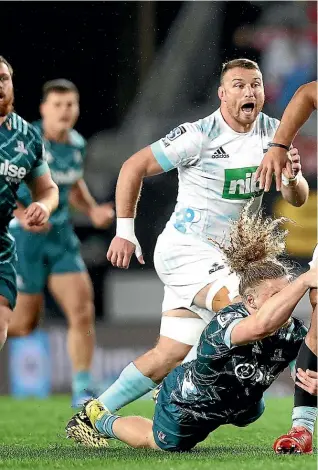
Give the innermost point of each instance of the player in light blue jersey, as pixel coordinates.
(216, 158)
(50, 255)
(21, 159)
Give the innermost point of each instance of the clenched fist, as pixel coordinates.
(37, 214)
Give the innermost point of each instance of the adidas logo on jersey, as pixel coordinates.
(240, 183)
(13, 173)
(220, 153)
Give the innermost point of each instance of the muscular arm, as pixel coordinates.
(44, 190)
(299, 109)
(132, 173)
(272, 315)
(297, 192)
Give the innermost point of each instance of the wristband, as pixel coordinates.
(282, 146)
(126, 228)
(286, 181)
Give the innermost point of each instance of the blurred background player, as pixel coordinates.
(21, 158)
(301, 106)
(241, 353)
(50, 255)
(217, 158)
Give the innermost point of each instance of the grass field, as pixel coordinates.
(32, 437)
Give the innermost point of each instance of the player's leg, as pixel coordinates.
(5, 313)
(31, 279)
(218, 294)
(71, 287)
(26, 315)
(181, 325)
(135, 431)
(179, 331)
(8, 295)
(74, 293)
(304, 415)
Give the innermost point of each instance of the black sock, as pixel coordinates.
(306, 360)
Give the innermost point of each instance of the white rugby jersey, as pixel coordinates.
(216, 168)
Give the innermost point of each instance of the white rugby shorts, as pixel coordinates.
(185, 264)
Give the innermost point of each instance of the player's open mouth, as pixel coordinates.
(248, 108)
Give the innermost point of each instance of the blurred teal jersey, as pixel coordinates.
(21, 159)
(66, 164)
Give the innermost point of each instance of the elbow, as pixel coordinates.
(298, 202)
(133, 166)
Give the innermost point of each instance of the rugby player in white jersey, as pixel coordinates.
(300, 438)
(217, 158)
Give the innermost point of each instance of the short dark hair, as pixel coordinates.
(59, 85)
(242, 63)
(4, 61)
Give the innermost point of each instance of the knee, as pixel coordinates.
(82, 315)
(167, 358)
(26, 327)
(4, 323)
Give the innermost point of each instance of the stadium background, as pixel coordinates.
(142, 68)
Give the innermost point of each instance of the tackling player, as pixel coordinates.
(303, 103)
(21, 159)
(217, 158)
(50, 255)
(241, 352)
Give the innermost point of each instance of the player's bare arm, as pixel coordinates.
(20, 214)
(132, 173)
(101, 215)
(275, 312)
(45, 196)
(299, 109)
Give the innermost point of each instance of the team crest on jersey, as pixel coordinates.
(278, 356)
(216, 267)
(224, 318)
(161, 436)
(247, 371)
(20, 148)
(176, 132)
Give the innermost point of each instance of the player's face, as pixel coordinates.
(265, 291)
(242, 96)
(6, 90)
(60, 111)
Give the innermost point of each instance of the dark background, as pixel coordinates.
(94, 44)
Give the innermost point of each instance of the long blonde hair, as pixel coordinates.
(255, 244)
